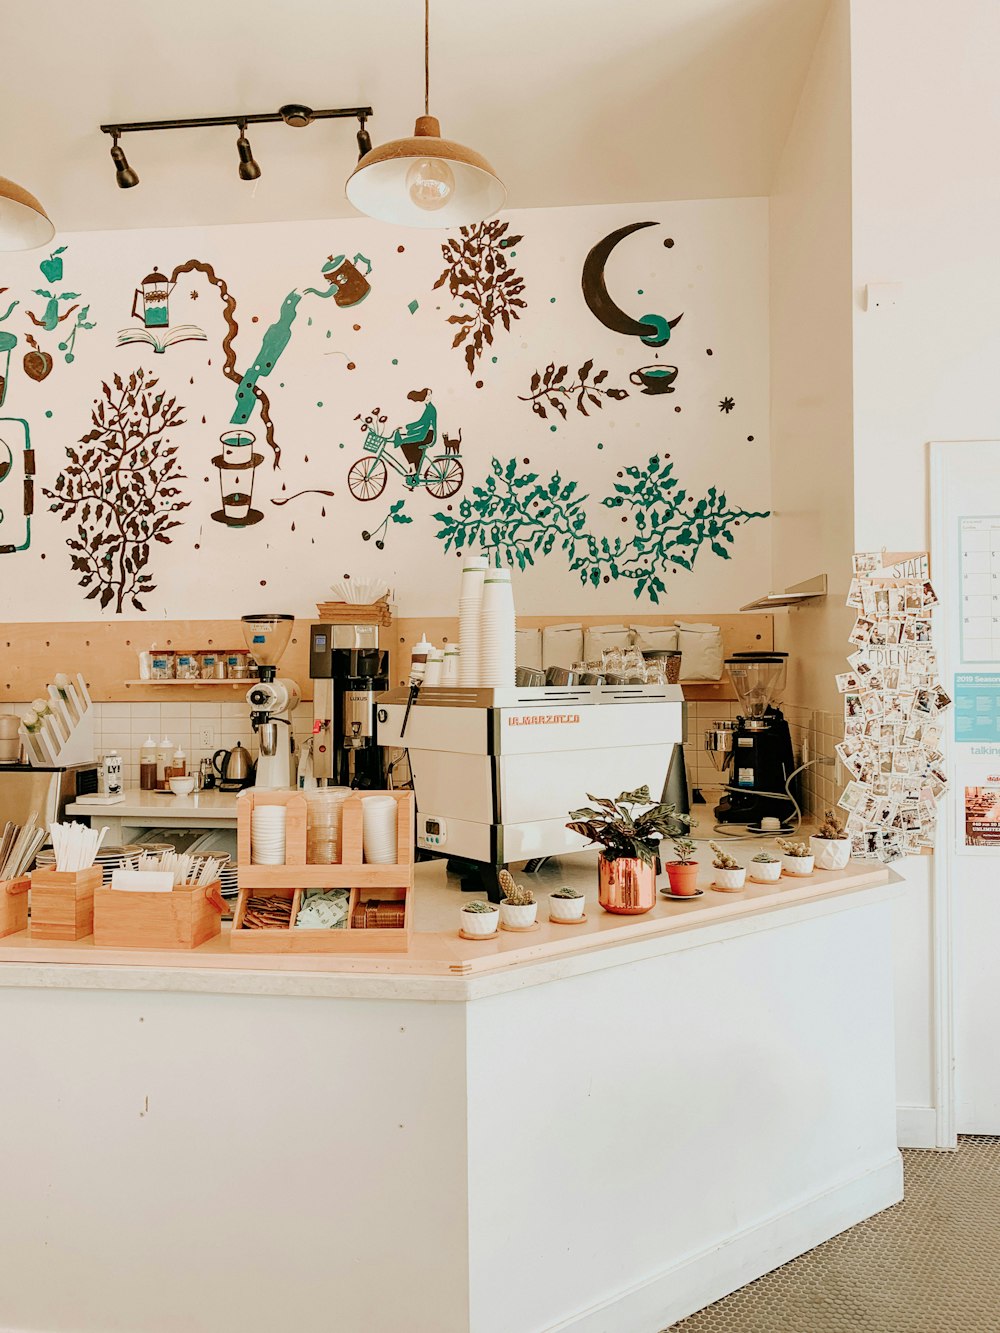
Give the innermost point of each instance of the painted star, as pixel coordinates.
(193, 295)
(726, 405)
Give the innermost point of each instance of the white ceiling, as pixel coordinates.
(573, 101)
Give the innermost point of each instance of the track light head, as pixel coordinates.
(364, 139)
(125, 177)
(249, 170)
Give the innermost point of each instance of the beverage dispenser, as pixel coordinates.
(350, 671)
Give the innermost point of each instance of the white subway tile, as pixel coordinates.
(178, 710)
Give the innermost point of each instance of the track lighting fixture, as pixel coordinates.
(293, 113)
(249, 170)
(125, 177)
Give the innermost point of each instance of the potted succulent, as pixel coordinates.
(796, 858)
(683, 870)
(518, 908)
(830, 844)
(765, 868)
(480, 919)
(629, 838)
(730, 876)
(566, 904)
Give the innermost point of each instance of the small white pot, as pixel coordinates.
(765, 872)
(830, 853)
(518, 916)
(729, 881)
(566, 909)
(480, 923)
(798, 865)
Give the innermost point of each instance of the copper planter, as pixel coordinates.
(626, 886)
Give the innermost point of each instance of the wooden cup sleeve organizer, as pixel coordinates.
(14, 905)
(368, 884)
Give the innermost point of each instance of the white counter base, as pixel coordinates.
(597, 1143)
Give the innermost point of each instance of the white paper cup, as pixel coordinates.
(379, 829)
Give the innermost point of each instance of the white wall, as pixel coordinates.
(812, 472)
(704, 260)
(926, 215)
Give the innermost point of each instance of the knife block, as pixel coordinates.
(62, 903)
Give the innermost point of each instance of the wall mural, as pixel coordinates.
(120, 491)
(517, 515)
(587, 484)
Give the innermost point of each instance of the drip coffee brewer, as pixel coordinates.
(349, 670)
(760, 760)
(272, 701)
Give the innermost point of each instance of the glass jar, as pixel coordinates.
(236, 664)
(161, 664)
(187, 666)
(209, 661)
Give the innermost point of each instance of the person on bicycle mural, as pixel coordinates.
(418, 436)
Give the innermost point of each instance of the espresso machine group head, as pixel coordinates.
(272, 700)
(350, 671)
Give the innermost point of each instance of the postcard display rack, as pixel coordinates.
(369, 884)
(893, 706)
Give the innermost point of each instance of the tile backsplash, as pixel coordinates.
(200, 729)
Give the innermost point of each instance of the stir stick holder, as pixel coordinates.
(62, 903)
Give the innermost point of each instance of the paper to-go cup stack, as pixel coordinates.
(469, 603)
(497, 647)
(378, 815)
(267, 835)
(324, 818)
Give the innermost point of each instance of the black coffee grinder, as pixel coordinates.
(349, 670)
(761, 758)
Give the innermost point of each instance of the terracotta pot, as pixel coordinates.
(830, 853)
(683, 876)
(626, 886)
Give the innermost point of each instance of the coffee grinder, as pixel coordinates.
(272, 701)
(349, 670)
(761, 758)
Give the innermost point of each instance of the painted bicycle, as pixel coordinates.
(442, 475)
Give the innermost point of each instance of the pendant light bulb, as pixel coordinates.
(249, 170)
(125, 177)
(430, 183)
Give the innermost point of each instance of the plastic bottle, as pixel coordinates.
(178, 767)
(147, 765)
(418, 659)
(163, 753)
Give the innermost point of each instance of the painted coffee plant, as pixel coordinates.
(519, 515)
(120, 492)
(480, 276)
(553, 388)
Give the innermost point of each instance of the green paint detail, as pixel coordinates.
(13, 306)
(553, 428)
(493, 359)
(395, 361)
(519, 516)
(552, 300)
(413, 307)
(319, 404)
(49, 413)
(8, 341)
(639, 291)
(343, 446)
(661, 331)
(599, 445)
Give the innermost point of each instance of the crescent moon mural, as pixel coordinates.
(654, 330)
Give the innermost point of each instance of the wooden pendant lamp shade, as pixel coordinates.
(24, 224)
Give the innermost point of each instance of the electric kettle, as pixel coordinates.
(234, 767)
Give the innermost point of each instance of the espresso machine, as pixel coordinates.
(272, 700)
(756, 754)
(349, 670)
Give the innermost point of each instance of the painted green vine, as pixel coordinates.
(518, 516)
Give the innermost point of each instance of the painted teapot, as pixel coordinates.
(153, 292)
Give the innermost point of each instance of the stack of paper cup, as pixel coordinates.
(497, 646)
(469, 603)
(267, 835)
(452, 665)
(378, 815)
(435, 667)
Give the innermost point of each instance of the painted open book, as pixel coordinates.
(180, 334)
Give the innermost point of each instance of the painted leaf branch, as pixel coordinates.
(520, 516)
(120, 491)
(551, 388)
(479, 275)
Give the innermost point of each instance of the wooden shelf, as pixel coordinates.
(193, 684)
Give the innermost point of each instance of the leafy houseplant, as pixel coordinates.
(480, 919)
(518, 908)
(682, 871)
(765, 868)
(796, 858)
(830, 844)
(730, 876)
(566, 904)
(629, 841)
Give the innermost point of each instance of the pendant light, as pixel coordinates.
(426, 181)
(24, 223)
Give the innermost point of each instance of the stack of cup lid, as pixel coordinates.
(469, 605)
(267, 835)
